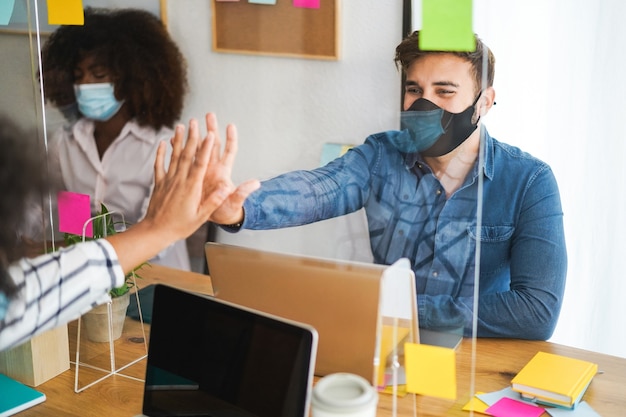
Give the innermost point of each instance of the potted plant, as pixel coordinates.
(96, 320)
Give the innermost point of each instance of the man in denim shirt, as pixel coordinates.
(419, 188)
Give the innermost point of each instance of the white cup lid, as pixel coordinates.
(344, 392)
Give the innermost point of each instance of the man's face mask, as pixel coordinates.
(433, 131)
(97, 101)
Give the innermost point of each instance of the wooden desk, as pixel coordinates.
(497, 361)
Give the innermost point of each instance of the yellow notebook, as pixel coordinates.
(554, 379)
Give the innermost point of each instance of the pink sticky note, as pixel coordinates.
(507, 407)
(307, 4)
(74, 211)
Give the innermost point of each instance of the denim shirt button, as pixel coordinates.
(435, 274)
(401, 232)
(438, 192)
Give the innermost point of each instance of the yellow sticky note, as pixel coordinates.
(447, 26)
(476, 405)
(430, 370)
(65, 12)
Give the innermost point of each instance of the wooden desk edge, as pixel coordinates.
(185, 280)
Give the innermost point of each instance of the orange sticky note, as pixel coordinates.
(430, 370)
(65, 12)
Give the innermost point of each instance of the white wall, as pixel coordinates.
(560, 95)
(285, 109)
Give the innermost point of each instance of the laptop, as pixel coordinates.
(340, 299)
(209, 357)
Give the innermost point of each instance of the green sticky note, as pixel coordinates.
(430, 370)
(447, 26)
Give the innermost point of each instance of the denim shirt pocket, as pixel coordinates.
(495, 241)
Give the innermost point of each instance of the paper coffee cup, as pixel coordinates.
(344, 395)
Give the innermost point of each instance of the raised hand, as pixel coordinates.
(218, 175)
(184, 196)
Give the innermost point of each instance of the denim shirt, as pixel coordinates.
(523, 258)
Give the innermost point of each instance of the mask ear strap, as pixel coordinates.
(476, 110)
(480, 93)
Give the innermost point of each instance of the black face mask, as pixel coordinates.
(433, 131)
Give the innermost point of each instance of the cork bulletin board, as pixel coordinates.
(280, 29)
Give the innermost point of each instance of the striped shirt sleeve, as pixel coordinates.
(58, 287)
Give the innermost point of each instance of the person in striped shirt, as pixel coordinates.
(37, 294)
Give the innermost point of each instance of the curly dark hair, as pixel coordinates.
(148, 69)
(408, 51)
(21, 178)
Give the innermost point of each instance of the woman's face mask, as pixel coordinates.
(97, 101)
(433, 131)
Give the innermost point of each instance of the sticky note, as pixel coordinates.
(74, 211)
(583, 409)
(491, 398)
(308, 4)
(476, 405)
(262, 1)
(430, 370)
(6, 10)
(65, 12)
(447, 26)
(506, 407)
(331, 151)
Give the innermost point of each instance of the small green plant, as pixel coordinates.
(104, 225)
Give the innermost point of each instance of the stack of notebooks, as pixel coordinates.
(554, 380)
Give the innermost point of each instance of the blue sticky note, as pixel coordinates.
(331, 151)
(6, 10)
(447, 26)
(583, 409)
(490, 398)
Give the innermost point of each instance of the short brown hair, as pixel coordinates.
(408, 51)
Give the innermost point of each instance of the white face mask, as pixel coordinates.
(97, 101)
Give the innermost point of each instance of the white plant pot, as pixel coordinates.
(97, 321)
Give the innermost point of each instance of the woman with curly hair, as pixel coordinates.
(126, 79)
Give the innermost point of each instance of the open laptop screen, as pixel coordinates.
(212, 358)
(339, 298)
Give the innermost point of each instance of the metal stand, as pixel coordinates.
(95, 358)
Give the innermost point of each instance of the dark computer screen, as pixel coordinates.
(209, 358)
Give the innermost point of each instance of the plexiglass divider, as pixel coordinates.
(397, 324)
